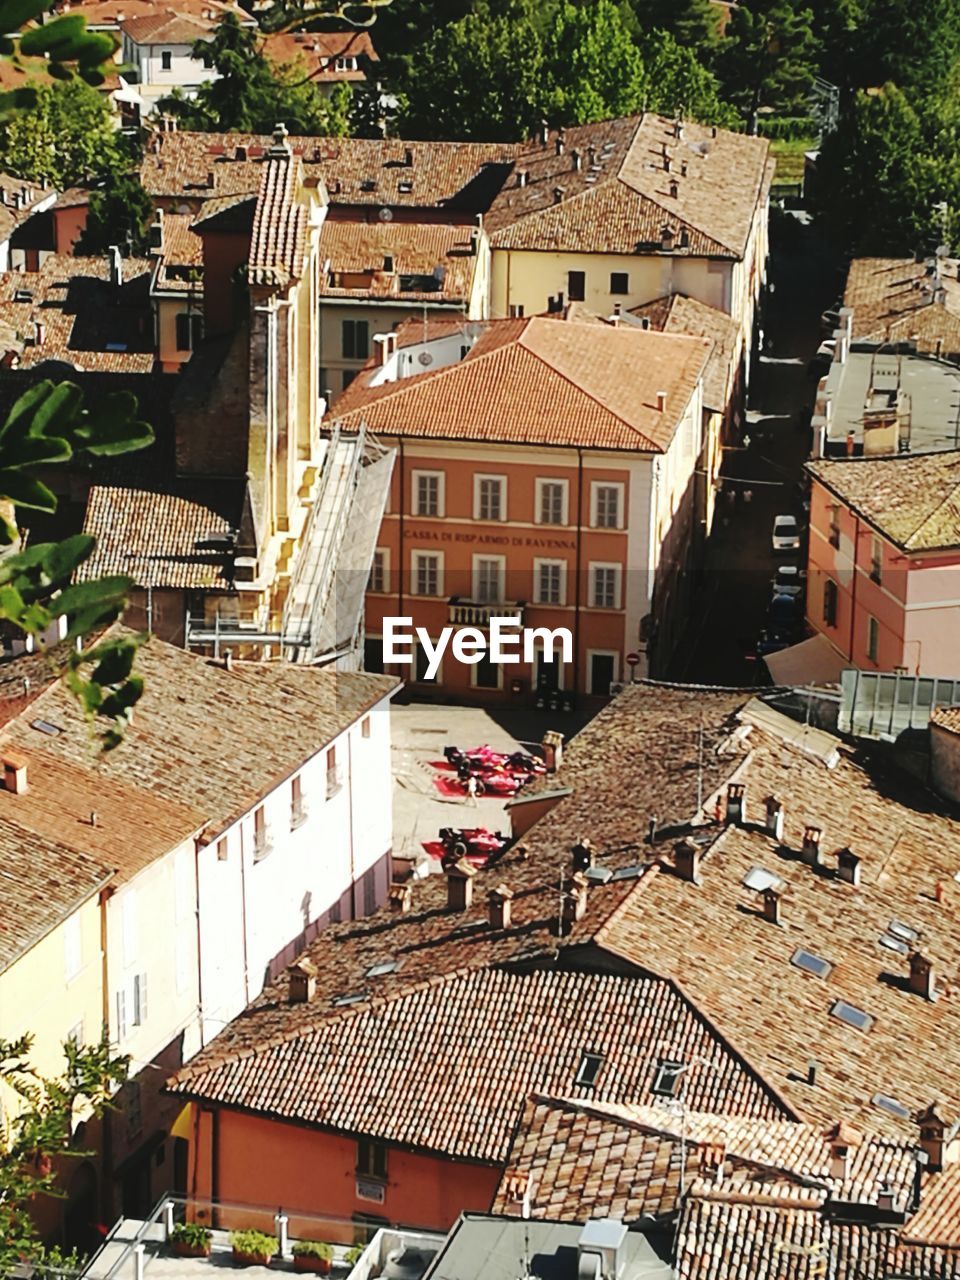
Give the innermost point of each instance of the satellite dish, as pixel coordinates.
(425, 358)
(385, 214)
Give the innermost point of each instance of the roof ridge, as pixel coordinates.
(947, 497)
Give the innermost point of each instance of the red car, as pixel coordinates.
(476, 844)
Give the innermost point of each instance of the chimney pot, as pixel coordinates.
(810, 849)
(560, 145)
(15, 773)
(582, 853)
(933, 1137)
(771, 905)
(848, 867)
(499, 906)
(303, 981)
(921, 979)
(41, 333)
(521, 177)
(552, 743)
(544, 133)
(774, 817)
(557, 194)
(736, 800)
(686, 860)
(661, 402)
(574, 900)
(674, 189)
(812, 1069)
(460, 885)
(401, 898)
(577, 160)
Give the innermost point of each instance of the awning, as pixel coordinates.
(813, 661)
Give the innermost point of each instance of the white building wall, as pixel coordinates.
(186, 72)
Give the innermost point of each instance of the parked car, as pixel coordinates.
(789, 580)
(771, 642)
(786, 533)
(785, 613)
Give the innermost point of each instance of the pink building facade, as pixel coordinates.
(884, 562)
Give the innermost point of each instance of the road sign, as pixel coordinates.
(632, 659)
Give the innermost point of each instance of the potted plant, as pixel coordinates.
(252, 1248)
(353, 1254)
(312, 1255)
(190, 1240)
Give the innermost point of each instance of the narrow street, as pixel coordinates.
(768, 467)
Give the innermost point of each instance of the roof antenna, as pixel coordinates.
(700, 765)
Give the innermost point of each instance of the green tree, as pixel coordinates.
(594, 70)
(120, 213)
(67, 135)
(251, 96)
(40, 1129)
(676, 81)
(694, 23)
(767, 57)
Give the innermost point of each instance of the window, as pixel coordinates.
(810, 963)
(166, 60)
(605, 586)
(666, 1081)
(486, 674)
(873, 638)
(223, 849)
(380, 571)
(356, 339)
(876, 560)
(121, 1015)
(606, 505)
(551, 502)
(516, 310)
(619, 282)
(488, 579)
(371, 1159)
(589, 1069)
(576, 286)
(851, 1015)
(834, 535)
(333, 773)
(548, 581)
(189, 330)
(830, 596)
(298, 807)
(261, 837)
(139, 999)
(365, 727)
(489, 498)
(428, 493)
(72, 948)
(427, 573)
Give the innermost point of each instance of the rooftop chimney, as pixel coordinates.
(557, 194)
(810, 849)
(771, 905)
(582, 853)
(388, 263)
(686, 860)
(577, 160)
(408, 158)
(848, 867)
(460, 885)
(736, 799)
(666, 239)
(921, 979)
(280, 144)
(116, 265)
(498, 905)
(303, 981)
(156, 232)
(522, 176)
(574, 900)
(240, 153)
(773, 821)
(544, 133)
(812, 1069)
(561, 143)
(552, 743)
(674, 189)
(886, 1201)
(15, 773)
(661, 402)
(933, 1136)
(401, 898)
(841, 1138)
(385, 346)
(40, 333)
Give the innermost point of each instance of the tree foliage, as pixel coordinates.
(120, 213)
(67, 135)
(251, 96)
(767, 57)
(39, 1129)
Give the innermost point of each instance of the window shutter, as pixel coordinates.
(121, 1015)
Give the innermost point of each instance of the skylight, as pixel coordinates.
(628, 873)
(667, 1079)
(600, 874)
(589, 1069)
(894, 1107)
(384, 967)
(904, 931)
(759, 879)
(810, 963)
(894, 944)
(852, 1016)
(355, 997)
(44, 726)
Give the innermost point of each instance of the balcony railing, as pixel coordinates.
(477, 613)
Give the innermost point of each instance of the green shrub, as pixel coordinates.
(313, 1249)
(194, 1234)
(352, 1255)
(787, 128)
(254, 1243)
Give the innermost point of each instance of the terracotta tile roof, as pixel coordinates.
(680, 314)
(584, 1159)
(739, 969)
(534, 381)
(947, 718)
(168, 28)
(431, 261)
(621, 198)
(893, 299)
(87, 323)
(157, 536)
(317, 52)
(447, 1065)
(42, 882)
(181, 256)
(72, 198)
(110, 13)
(458, 176)
(212, 740)
(937, 1221)
(279, 223)
(913, 499)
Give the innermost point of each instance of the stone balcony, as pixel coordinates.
(477, 613)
